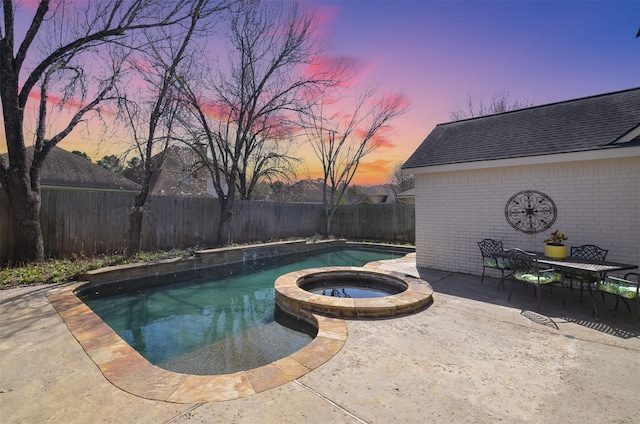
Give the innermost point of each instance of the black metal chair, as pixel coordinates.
(526, 269)
(622, 288)
(586, 251)
(489, 249)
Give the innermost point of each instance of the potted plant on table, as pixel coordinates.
(554, 246)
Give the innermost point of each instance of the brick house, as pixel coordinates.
(584, 154)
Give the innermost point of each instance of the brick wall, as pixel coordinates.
(598, 203)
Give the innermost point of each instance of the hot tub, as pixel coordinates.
(404, 294)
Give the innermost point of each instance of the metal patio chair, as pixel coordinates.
(526, 269)
(586, 251)
(622, 288)
(493, 257)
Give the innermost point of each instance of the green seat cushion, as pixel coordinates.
(500, 263)
(620, 287)
(545, 277)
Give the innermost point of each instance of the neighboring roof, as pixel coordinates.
(176, 173)
(373, 195)
(590, 123)
(63, 169)
(408, 193)
(378, 190)
(305, 191)
(356, 199)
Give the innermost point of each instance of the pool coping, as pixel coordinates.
(294, 299)
(126, 369)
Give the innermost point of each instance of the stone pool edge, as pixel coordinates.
(416, 295)
(126, 369)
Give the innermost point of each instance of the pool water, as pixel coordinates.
(345, 291)
(224, 324)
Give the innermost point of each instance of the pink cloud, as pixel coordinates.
(56, 100)
(325, 15)
(374, 172)
(345, 69)
(31, 5)
(379, 140)
(140, 64)
(214, 110)
(390, 101)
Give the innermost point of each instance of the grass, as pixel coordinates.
(64, 270)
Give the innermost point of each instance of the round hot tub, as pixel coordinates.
(351, 284)
(351, 292)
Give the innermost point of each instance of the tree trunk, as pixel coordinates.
(135, 231)
(137, 213)
(24, 213)
(24, 202)
(224, 230)
(329, 219)
(226, 212)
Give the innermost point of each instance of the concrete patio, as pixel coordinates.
(469, 357)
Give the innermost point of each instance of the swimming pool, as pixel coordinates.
(225, 323)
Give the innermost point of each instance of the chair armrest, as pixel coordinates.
(623, 281)
(549, 270)
(637, 274)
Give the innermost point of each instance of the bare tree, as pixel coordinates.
(240, 119)
(341, 141)
(64, 52)
(400, 182)
(151, 116)
(500, 102)
(266, 159)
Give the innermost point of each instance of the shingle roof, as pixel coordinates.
(176, 173)
(65, 169)
(589, 123)
(408, 193)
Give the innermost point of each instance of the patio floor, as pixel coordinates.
(469, 357)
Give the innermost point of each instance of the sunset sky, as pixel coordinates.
(439, 53)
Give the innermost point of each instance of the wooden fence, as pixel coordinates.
(92, 222)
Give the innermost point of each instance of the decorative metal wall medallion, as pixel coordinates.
(530, 211)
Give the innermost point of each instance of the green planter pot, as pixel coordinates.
(555, 252)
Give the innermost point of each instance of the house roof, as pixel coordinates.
(176, 173)
(67, 170)
(590, 123)
(407, 193)
(306, 191)
(356, 199)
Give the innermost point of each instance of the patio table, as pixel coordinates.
(602, 268)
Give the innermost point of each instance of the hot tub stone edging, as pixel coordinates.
(294, 300)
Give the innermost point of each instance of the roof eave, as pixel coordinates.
(615, 152)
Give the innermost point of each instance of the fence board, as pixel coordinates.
(261, 221)
(390, 222)
(93, 222)
(4, 225)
